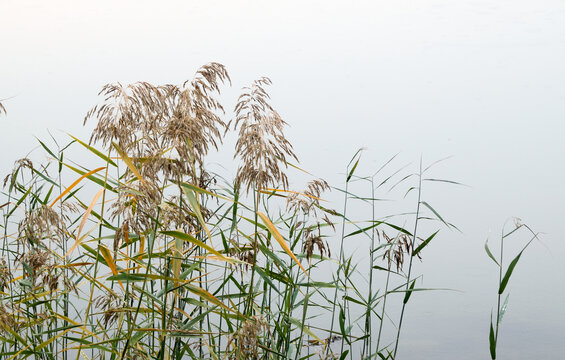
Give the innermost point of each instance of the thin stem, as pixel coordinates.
(411, 257)
(341, 262)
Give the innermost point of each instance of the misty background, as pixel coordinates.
(480, 81)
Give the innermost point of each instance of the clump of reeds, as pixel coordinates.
(148, 254)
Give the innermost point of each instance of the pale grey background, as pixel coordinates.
(483, 81)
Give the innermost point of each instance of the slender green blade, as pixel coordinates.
(422, 245)
(409, 292)
(492, 343)
(489, 253)
(506, 277)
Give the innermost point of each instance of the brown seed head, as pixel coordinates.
(261, 146)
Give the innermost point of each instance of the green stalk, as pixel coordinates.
(368, 315)
(341, 262)
(408, 278)
(149, 258)
(88, 306)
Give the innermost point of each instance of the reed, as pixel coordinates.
(140, 251)
(504, 277)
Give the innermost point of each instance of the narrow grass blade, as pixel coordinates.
(193, 201)
(191, 239)
(109, 261)
(75, 184)
(508, 273)
(352, 170)
(208, 297)
(409, 292)
(108, 257)
(49, 341)
(492, 343)
(128, 162)
(489, 253)
(84, 218)
(94, 151)
(273, 230)
(364, 229)
(177, 259)
(203, 191)
(422, 245)
(435, 213)
(93, 178)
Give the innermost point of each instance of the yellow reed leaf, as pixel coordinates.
(128, 162)
(277, 235)
(84, 218)
(75, 184)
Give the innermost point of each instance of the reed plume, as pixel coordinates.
(147, 121)
(261, 146)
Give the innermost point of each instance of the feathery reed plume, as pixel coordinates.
(247, 337)
(147, 120)
(398, 247)
(110, 305)
(6, 276)
(42, 223)
(195, 117)
(7, 320)
(18, 165)
(315, 240)
(261, 144)
(310, 199)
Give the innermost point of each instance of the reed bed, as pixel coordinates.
(149, 255)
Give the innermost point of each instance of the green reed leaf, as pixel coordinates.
(422, 245)
(435, 213)
(191, 239)
(352, 170)
(492, 342)
(94, 151)
(409, 292)
(508, 273)
(489, 253)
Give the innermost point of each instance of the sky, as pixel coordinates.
(478, 81)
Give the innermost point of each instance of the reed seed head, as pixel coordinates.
(247, 337)
(261, 145)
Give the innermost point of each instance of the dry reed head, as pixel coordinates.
(35, 261)
(18, 165)
(138, 198)
(399, 246)
(247, 337)
(2, 109)
(261, 145)
(315, 241)
(109, 304)
(40, 224)
(309, 200)
(195, 116)
(147, 121)
(244, 254)
(6, 276)
(50, 279)
(7, 319)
